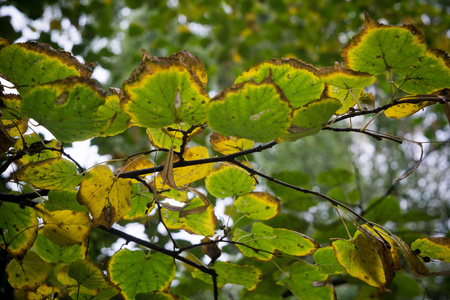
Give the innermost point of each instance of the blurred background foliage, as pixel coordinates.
(230, 36)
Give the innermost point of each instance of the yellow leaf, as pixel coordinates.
(44, 292)
(405, 109)
(229, 145)
(385, 251)
(186, 175)
(27, 273)
(361, 260)
(201, 223)
(67, 227)
(54, 173)
(134, 163)
(107, 198)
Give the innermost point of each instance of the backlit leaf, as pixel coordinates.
(345, 85)
(166, 138)
(66, 227)
(108, 198)
(52, 252)
(27, 273)
(54, 174)
(248, 276)
(361, 260)
(258, 205)
(134, 163)
(402, 110)
(119, 121)
(139, 202)
(226, 181)
(307, 282)
(34, 141)
(229, 145)
(202, 223)
(269, 239)
(430, 75)
(386, 248)
(164, 91)
(71, 284)
(310, 118)
(86, 274)
(29, 64)
(433, 247)
(19, 227)
(44, 292)
(186, 175)
(72, 109)
(63, 200)
(135, 272)
(297, 79)
(378, 48)
(245, 109)
(326, 261)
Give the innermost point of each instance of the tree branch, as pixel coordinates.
(306, 191)
(185, 163)
(173, 254)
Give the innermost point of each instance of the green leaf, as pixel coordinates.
(435, 248)
(137, 273)
(382, 210)
(335, 177)
(164, 91)
(258, 205)
(72, 109)
(248, 276)
(19, 226)
(55, 253)
(86, 274)
(269, 239)
(244, 111)
(119, 121)
(345, 85)
(298, 80)
(63, 200)
(378, 48)
(307, 282)
(430, 75)
(35, 141)
(342, 195)
(226, 181)
(53, 173)
(28, 273)
(202, 224)
(139, 206)
(30, 64)
(326, 261)
(310, 118)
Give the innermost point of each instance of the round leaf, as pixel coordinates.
(258, 205)
(137, 273)
(227, 181)
(245, 110)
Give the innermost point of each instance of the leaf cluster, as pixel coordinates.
(50, 230)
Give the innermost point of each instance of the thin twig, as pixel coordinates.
(303, 190)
